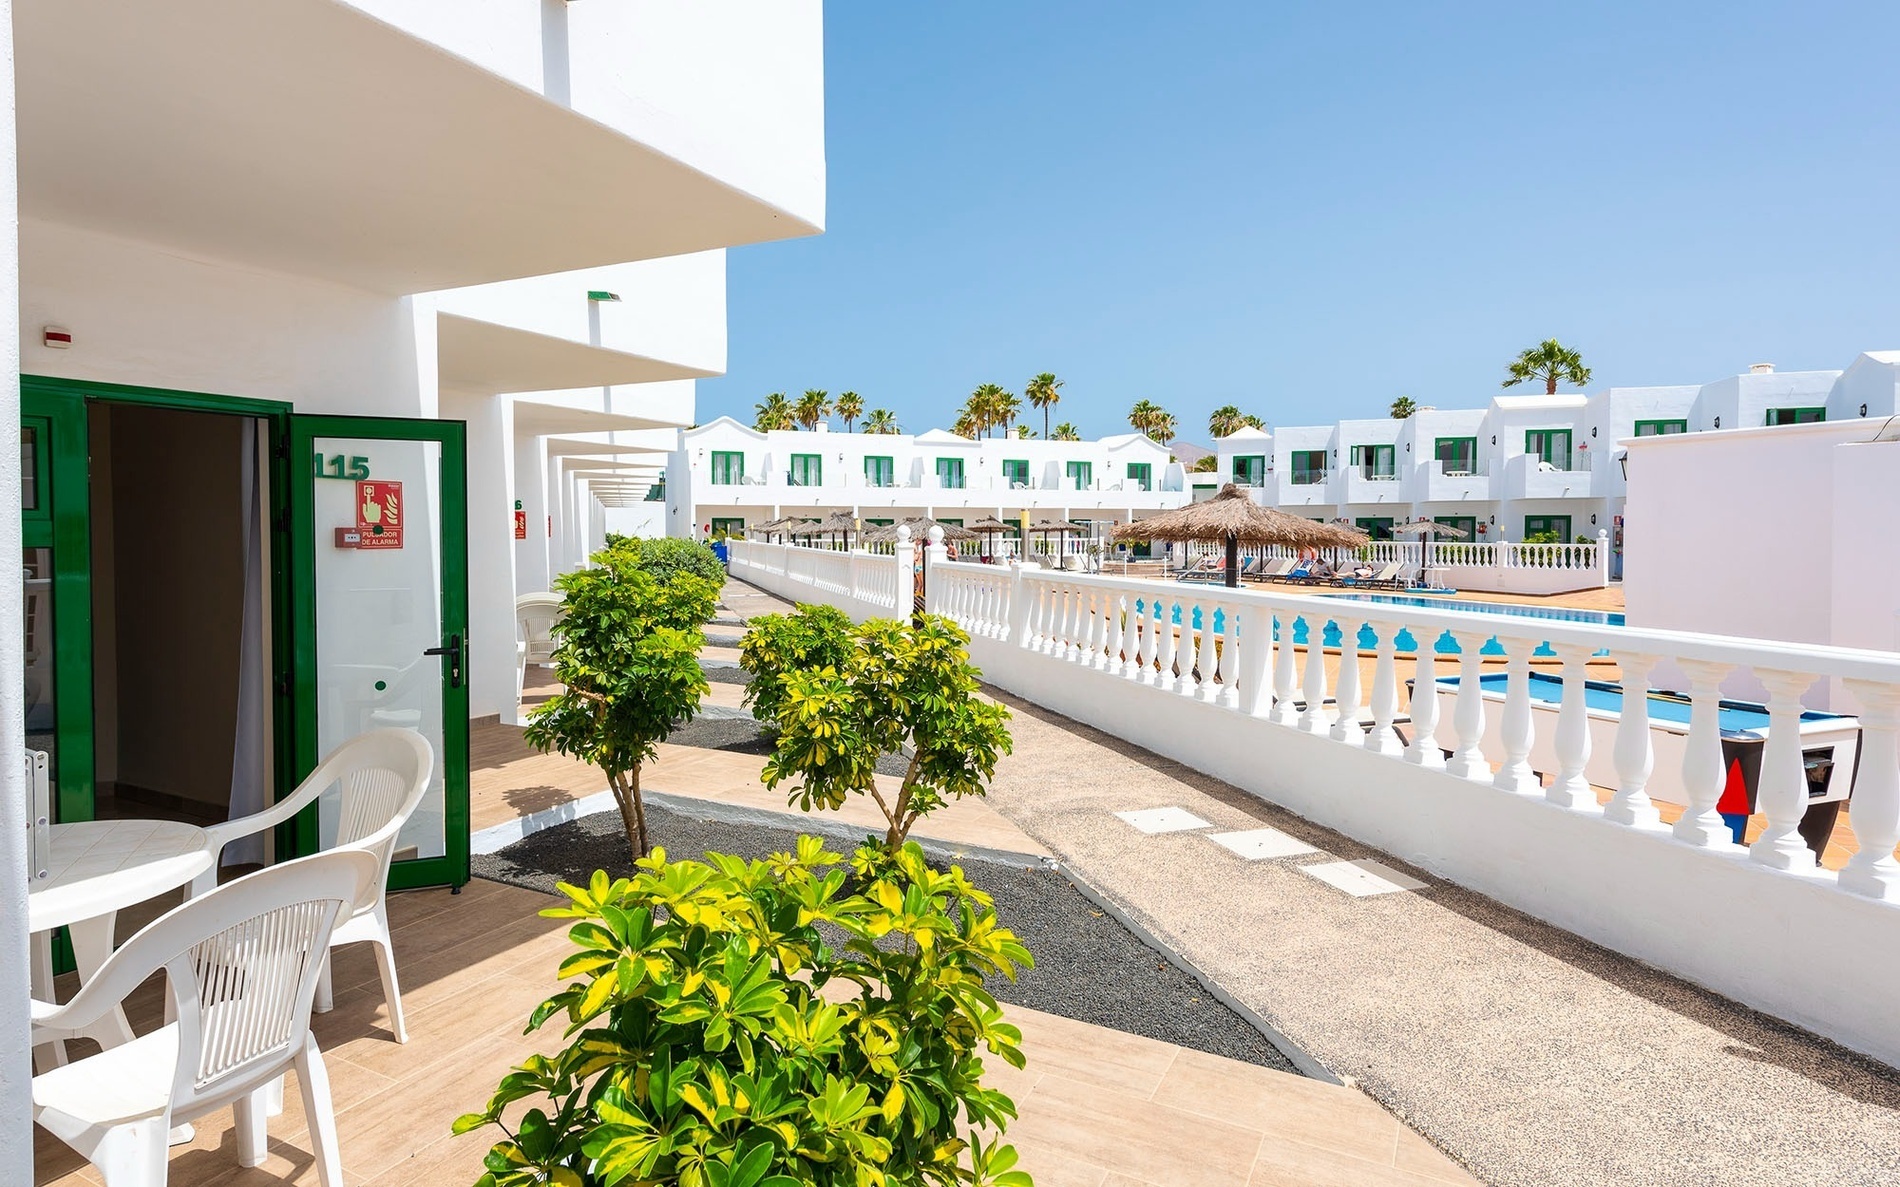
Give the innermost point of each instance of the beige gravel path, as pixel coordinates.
(1528, 1054)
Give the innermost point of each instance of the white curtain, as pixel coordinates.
(250, 759)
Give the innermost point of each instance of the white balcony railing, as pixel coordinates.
(1497, 792)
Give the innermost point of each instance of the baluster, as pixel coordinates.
(1130, 668)
(1571, 789)
(1150, 640)
(1254, 660)
(1515, 730)
(1313, 687)
(1423, 750)
(1346, 727)
(1213, 655)
(1285, 712)
(1074, 616)
(1467, 711)
(1231, 657)
(1189, 654)
(1634, 747)
(1052, 630)
(1385, 691)
(1873, 871)
(1100, 603)
(1032, 591)
(1783, 792)
(1088, 620)
(1704, 770)
(1164, 672)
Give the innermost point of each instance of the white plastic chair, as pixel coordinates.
(241, 967)
(381, 777)
(535, 616)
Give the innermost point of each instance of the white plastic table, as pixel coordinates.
(96, 869)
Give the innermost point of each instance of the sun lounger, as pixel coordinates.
(1205, 569)
(1270, 570)
(1296, 575)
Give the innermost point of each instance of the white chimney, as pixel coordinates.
(1761, 368)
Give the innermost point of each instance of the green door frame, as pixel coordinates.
(451, 869)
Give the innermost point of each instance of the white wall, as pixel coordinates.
(144, 314)
(1866, 569)
(491, 551)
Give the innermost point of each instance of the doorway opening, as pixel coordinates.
(181, 614)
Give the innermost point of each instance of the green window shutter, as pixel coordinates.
(878, 471)
(950, 472)
(1141, 474)
(728, 468)
(1016, 470)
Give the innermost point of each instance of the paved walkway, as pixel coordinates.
(1530, 1055)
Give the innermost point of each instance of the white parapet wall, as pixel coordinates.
(1494, 566)
(1218, 691)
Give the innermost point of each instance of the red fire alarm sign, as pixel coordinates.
(379, 514)
(521, 525)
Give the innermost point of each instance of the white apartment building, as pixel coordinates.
(342, 322)
(725, 476)
(1522, 466)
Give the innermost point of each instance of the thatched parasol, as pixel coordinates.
(839, 521)
(1233, 517)
(919, 526)
(773, 527)
(1061, 526)
(989, 525)
(1426, 527)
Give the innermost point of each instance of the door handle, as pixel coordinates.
(454, 652)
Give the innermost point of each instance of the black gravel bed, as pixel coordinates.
(1088, 966)
(717, 673)
(741, 734)
(724, 640)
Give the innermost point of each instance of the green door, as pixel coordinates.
(379, 541)
(57, 536)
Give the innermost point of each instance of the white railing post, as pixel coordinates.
(1229, 657)
(905, 560)
(1703, 771)
(1633, 753)
(1385, 691)
(1346, 727)
(1876, 809)
(1515, 729)
(1130, 666)
(1424, 750)
(1211, 652)
(1150, 639)
(1284, 711)
(1783, 792)
(1313, 686)
(1100, 604)
(1188, 654)
(1467, 712)
(1255, 636)
(1164, 671)
(1570, 789)
(1603, 557)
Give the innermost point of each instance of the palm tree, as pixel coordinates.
(966, 425)
(1153, 420)
(985, 407)
(812, 408)
(1225, 420)
(1025, 433)
(1044, 391)
(881, 421)
(1007, 407)
(1065, 432)
(775, 413)
(849, 407)
(1254, 422)
(1550, 361)
(1405, 406)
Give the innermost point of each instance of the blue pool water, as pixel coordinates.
(1406, 644)
(1735, 717)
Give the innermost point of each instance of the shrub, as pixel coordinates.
(776, 645)
(664, 556)
(626, 651)
(900, 688)
(715, 1038)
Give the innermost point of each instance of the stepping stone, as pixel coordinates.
(1164, 820)
(1261, 844)
(1362, 878)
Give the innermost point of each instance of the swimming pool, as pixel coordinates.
(1406, 643)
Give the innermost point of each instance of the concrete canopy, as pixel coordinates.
(486, 358)
(307, 137)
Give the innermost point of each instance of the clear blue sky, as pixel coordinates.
(1308, 209)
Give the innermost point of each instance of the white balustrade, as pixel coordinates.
(1234, 650)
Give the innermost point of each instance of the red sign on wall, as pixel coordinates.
(521, 525)
(379, 514)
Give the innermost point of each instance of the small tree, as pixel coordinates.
(900, 688)
(776, 645)
(626, 652)
(1551, 362)
(850, 407)
(1404, 407)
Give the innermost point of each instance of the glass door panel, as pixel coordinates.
(380, 526)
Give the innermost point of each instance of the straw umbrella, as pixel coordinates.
(989, 525)
(840, 521)
(1429, 530)
(1234, 518)
(1062, 526)
(919, 526)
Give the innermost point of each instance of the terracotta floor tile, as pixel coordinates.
(1131, 1135)
(1280, 1105)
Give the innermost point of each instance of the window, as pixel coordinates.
(1551, 446)
(728, 527)
(1309, 466)
(1083, 474)
(1141, 475)
(1468, 524)
(808, 469)
(879, 523)
(950, 473)
(728, 469)
(1661, 428)
(955, 523)
(1375, 461)
(878, 471)
(1016, 473)
(1457, 455)
(1547, 529)
(1379, 527)
(1251, 470)
(1796, 416)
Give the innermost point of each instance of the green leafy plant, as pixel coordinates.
(626, 651)
(1550, 362)
(716, 1038)
(899, 689)
(1404, 408)
(776, 645)
(664, 556)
